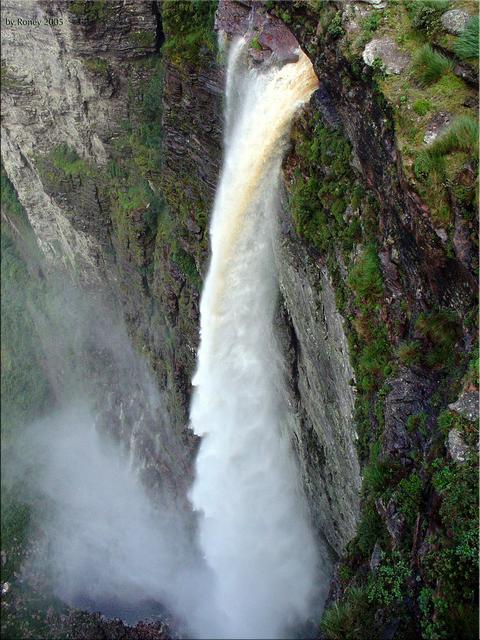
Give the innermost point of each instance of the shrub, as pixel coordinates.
(408, 497)
(429, 65)
(186, 263)
(434, 347)
(441, 331)
(366, 278)
(375, 474)
(350, 619)
(425, 15)
(255, 44)
(417, 423)
(67, 160)
(372, 21)
(389, 584)
(370, 530)
(466, 45)
(92, 11)
(452, 563)
(96, 65)
(335, 28)
(188, 25)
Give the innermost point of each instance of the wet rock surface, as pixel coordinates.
(268, 34)
(409, 396)
(321, 393)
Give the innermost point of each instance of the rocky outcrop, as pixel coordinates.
(52, 99)
(385, 50)
(268, 35)
(410, 396)
(321, 393)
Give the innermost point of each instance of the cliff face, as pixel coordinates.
(81, 129)
(111, 136)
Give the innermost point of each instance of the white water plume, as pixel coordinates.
(254, 528)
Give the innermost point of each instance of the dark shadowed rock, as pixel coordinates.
(393, 519)
(436, 126)
(410, 395)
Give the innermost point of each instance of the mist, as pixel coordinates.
(106, 544)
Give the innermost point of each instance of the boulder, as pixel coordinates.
(379, 4)
(467, 405)
(457, 448)
(394, 60)
(454, 21)
(437, 125)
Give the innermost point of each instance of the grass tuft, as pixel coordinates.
(462, 135)
(429, 65)
(466, 46)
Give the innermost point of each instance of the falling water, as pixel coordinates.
(254, 530)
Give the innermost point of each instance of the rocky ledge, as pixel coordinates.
(269, 35)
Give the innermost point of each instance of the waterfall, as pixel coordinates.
(254, 530)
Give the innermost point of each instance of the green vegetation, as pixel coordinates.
(422, 106)
(466, 46)
(429, 65)
(417, 423)
(434, 347)
(186, 263)
(449, 602)
(143, 38)
(319, 202)
(462, 135)
(188, 25)
(460, 143)
(334, 211)
(373, 361)
(96, 65)
(426, 14)
(388, 584)
(91, 10)
(366, 277)
(349, 619)
(255, 44)
(371, 23)
(67, 160)
(335, 28)
(408, 498)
